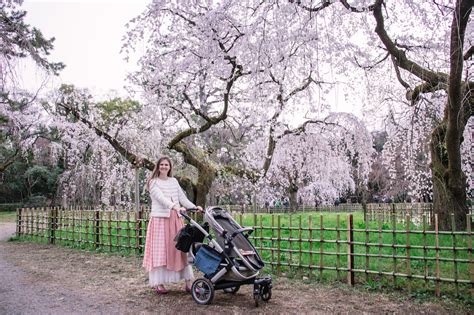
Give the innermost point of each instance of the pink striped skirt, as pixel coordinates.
(160, 248)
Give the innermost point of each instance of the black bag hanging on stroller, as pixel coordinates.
(188, 235)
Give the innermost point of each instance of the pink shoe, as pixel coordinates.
(161, 291)
(187, 289)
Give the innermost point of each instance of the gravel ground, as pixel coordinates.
(39, 279)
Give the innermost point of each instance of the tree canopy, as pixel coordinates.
(240, 94)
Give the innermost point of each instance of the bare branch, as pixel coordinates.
(399, 76)
(469, 53)
(357, 10)
(370, 67)
(235, 73)
(196, 110)
(128, 155)
(301, 88)
(437, 80)
(181, 113)
(324, 4)
(191, 22)
(301, 129)
(8, 161)
(413, 95)
(241, 172)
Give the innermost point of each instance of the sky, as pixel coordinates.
(88, 40)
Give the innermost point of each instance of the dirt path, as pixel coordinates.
(38, 278)
(7, 230)
(23, 292)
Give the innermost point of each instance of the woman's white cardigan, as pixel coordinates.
(165, 194)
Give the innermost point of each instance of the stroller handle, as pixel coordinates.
(242, 230)
(184, 213)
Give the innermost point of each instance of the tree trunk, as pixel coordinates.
(206, 176)
(198, 192)
(188, 187)
(293, 192)
(449, 187)
(449, 181)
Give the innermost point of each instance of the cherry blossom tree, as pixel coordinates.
(206, 71)
(20, 119)
(316, 162)
(237, 69)
(97, 167)
(419, 47)
(307, 165)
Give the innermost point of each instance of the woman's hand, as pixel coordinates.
(177, 208)
(199, 209)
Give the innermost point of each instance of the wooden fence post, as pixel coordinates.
(138, 231)
(279, 246)
(96, 228)
(53, 217)
(364, 209)
(394, 214)
(437, 283)
(109, 229)
(469, 243)
(455, 263)
(350, 250)
(18, 221)
(408, 260)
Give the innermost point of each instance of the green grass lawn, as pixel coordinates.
(7, 216)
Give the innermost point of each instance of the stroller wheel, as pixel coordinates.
(202, 291)
(266, 294)
(232, 290)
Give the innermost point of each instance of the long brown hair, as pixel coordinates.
(156, 170)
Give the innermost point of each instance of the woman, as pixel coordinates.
(164, 263)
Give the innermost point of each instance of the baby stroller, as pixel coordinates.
(228, 261)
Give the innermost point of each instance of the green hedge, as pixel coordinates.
(9, 206)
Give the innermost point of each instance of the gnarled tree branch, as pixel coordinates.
(436, 80)
(127, 154)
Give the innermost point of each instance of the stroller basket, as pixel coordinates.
(207, 260)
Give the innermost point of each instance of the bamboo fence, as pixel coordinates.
(401, 253)
(398, 254)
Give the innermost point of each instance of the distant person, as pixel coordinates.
(277, 203)
(164, 263)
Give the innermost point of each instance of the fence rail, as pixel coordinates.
(351, 247)
(343, 207)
